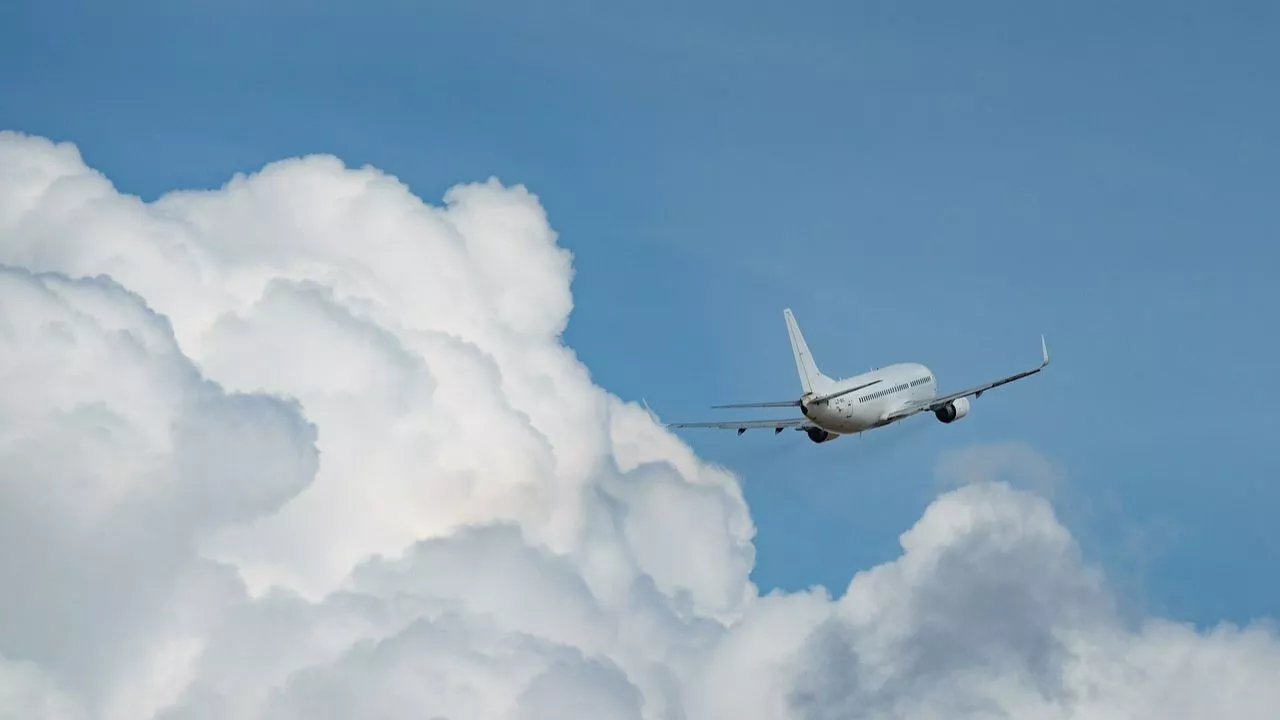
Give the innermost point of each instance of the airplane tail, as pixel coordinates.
(811, 379)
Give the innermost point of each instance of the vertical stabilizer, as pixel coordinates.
(810, 378)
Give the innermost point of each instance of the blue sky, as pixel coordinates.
(932, 181)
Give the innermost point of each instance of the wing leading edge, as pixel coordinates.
(976, 391)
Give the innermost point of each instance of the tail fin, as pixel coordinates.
(810, 378)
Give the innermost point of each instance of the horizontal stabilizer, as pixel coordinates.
(777, 403)
(743, 425)
(846, 391)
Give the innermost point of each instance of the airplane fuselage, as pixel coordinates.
(866, 408)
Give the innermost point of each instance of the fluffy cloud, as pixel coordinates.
(305, 446)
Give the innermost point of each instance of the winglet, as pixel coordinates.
(1044, 351)
(652, 415)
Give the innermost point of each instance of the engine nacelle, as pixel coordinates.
(953, 410)
(819, 435)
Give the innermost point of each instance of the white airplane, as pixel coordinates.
(833, 408)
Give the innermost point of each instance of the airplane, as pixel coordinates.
(848, 406)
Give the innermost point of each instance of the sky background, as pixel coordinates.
(934, 182)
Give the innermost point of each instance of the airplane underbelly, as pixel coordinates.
(843, 421)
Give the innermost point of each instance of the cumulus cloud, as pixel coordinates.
(306, 446)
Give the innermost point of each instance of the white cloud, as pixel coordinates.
(307, 446)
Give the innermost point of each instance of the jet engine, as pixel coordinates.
(953, 410)
(819, 435)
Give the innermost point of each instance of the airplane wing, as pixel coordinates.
(744, 425)
(976, 391)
